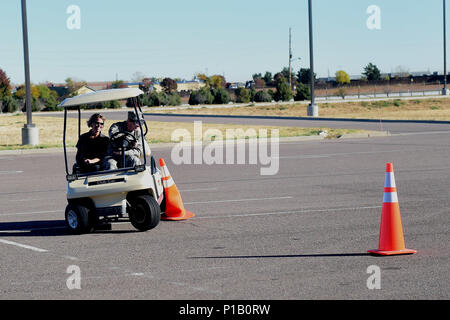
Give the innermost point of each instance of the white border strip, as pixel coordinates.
(23, 246)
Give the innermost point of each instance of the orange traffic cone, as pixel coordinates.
(174, 205)
(391, 241)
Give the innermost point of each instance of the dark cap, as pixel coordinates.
(133, 117)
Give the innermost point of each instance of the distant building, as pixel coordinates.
(84, 89)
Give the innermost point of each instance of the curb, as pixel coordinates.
(163, 145)
(294, 118)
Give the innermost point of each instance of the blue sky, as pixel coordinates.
(234, 38)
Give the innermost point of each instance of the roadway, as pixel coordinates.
(300, 234)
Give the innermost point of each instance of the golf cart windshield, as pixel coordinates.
(96, 97)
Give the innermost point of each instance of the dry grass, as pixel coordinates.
(51, 131)
(416, 109)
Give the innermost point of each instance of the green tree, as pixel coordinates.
(262, 96)
(221, 96)
(302, 93)
(371, 72)
(8, 104)
(284, 92)
(304, 76)
(173, 99)
(48, 97)
(242, 95)
(201, 96)
(342, 77)
(268, 78)
(256, 76)
(116, 84)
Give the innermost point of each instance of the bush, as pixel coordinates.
(303, 92)
(201, 96)
(156, 99)
(221, 96)
(174, 99)
(262, 96)
(341, 92)
(252, 93)
(8, 104)
(51, 104)
(284, 93)
(242, 95)
(112, 104)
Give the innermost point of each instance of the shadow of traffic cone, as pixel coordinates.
(391, 241)
(174, 205)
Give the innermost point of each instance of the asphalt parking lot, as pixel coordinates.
(302, 233)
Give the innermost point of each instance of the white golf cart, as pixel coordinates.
(96, 199)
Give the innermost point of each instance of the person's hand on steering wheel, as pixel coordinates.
(123, 141)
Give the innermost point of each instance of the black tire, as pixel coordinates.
(77, 219)
(144, 212)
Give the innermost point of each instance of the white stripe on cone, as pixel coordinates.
(390, 197)
(389, 181)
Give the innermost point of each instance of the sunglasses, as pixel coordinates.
(99, 124)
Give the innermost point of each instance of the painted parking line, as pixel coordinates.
(328, 155)
(37, 199)
(238, 200)
(11, 172)
(25, 246)
(285, 212)
(199, 189)
(29, 213)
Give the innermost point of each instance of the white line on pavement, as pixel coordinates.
(200, 189)
(25, 213)
(284, 212)
(327, 155)
(22, 245)
(238, 200)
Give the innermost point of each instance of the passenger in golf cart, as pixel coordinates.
(92, 146)
(125, 143)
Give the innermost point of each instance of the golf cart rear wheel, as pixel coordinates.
(77, 219)
(144, 212)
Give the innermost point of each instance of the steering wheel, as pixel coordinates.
(123, 141)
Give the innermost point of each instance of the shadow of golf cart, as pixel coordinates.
(97, 199)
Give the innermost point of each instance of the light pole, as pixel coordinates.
(313, 109)
(444, 90)
(290, 59)
(30, 134)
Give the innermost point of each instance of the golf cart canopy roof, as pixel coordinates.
(101, 96)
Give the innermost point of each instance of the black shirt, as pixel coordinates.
(91, 148)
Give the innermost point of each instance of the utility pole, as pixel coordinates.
(30, 134)
(290, 59)
(444, 90)
(313, 109)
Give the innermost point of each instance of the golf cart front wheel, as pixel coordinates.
(144, 212)
(77, 219)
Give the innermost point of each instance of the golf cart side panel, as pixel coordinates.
(99, 186)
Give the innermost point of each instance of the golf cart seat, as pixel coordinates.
(76, 169)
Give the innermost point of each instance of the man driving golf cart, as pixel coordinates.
(132, 190)
(127, 132)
